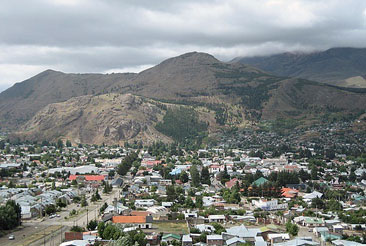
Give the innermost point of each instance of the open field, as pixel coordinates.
(171, 227)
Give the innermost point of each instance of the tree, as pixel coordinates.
(77, 229)
(292, 229)
(50, 209)
(199, 202)
(60, 144)
(183, 177)
(218, 228)
(314, 173)
(60, 203)
(205, 176)
(10, 215)
(83, 203)
(68, 143)
(92, 225)
(195, 176)
(100, 228)
(317, 203)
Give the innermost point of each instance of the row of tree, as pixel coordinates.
(10, 215)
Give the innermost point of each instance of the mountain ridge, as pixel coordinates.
(229, 94)
(333, 66)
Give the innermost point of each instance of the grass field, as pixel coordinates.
(39, 235)
(171, 227)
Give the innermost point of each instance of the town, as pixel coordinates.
(257, 193)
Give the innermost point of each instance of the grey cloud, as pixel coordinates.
(97, 36)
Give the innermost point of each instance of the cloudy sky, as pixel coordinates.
(131, 35)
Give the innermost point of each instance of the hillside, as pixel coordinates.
(20, 102)
(108, 118)
(115, 118)
(93, 108)
(334, 66)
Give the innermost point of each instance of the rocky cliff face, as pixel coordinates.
(109, 118)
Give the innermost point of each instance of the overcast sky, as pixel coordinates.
(131, 35)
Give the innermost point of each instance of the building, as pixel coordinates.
(142, 222)
(168, 238)
(145, 203)
(187, 240)
(215, 240)
(269, 204)
(216, 218)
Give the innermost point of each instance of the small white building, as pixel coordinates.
(145, 203)
(269, 204)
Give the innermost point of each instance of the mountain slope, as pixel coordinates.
(20, 102)
(333, 66)
(109, 118)
(88, 108)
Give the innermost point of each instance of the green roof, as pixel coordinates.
(312, 220)
(171, 235)
(326, 235)
(260, 181)
(269, 227)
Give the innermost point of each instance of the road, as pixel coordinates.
(48, 232)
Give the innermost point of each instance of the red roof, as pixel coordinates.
(129, 219)
(231, 183)
(88, 177)
(153, 163)
(288, 192)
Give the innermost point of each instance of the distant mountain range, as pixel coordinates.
(114, 108)
(336, 66)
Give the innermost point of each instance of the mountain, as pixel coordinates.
(194, 89)
(20, 102)
(337, 66)
(107, 118)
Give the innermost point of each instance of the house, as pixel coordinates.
(289, 193)
(165, 182)
(242, 232)
(76, 243)
(337, 228)
(145, 203)
(346, 243)
(229, 184)
(215, 240)
(235, 241)
(310, 221)
(318, 230)
(311, 196)
(187, 240)
(297, 242)
(167, 204)
(278, 237)
(168, 238)
(158, 212)
(216, 218)
(89, 178)
(205, 228)
(190, 215)
(269, 204)
(118, 182)
(260, 181)
(143, 222)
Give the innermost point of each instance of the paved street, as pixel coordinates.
(47, 231)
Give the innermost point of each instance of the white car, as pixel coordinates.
(11, 237)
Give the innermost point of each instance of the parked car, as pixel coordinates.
(11, 237)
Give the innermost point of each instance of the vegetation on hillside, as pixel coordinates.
(181, 124)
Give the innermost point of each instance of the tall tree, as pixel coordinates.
(205, 176)
(195, 175)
